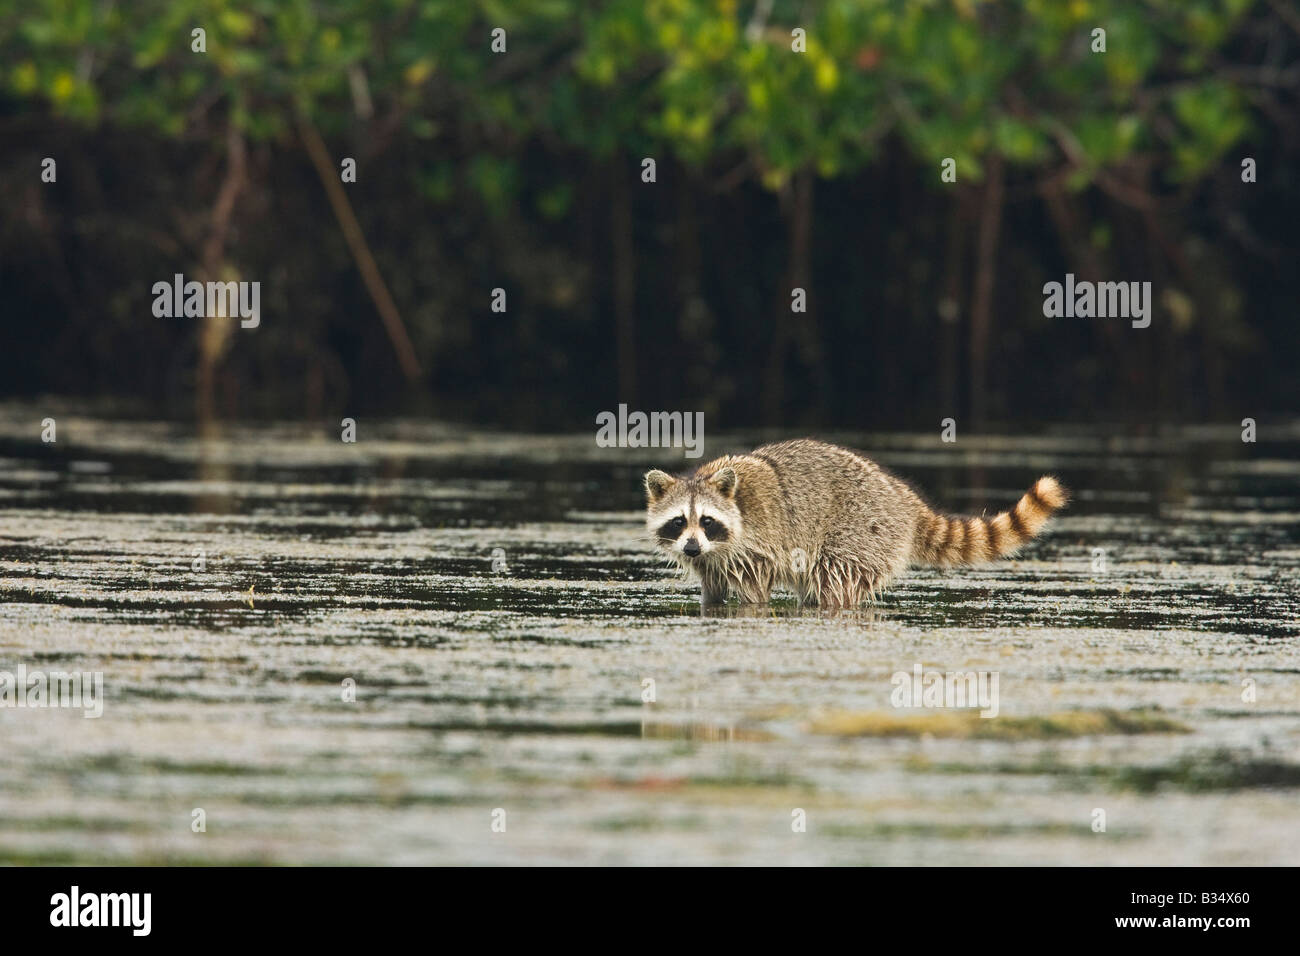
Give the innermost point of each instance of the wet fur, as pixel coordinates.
(829, 524)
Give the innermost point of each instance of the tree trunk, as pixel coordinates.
(624, 247)
(215, 332)
(1087, 265)
(982, 296)
(798, 275)
(950, 307)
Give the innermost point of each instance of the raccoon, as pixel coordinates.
(829, 524)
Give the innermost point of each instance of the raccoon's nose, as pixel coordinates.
(691, 548)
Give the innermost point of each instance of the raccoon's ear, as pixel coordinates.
(657, 484)
(724, 479)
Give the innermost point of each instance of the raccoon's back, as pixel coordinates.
(824, 485)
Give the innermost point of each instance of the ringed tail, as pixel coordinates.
(946, 541)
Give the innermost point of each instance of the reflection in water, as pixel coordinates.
(212, 468)
(701, 731)
(788, 610)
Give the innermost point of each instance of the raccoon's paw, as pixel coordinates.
(712, 592)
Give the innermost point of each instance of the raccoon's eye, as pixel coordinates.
(679, 522)
(706, 521)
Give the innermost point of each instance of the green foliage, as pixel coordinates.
(701, 78)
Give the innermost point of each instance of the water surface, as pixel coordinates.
(227, 585)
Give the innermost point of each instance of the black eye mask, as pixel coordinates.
(671, 529)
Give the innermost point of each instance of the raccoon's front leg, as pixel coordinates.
(754, 584)
(713, 588)
(839, 581)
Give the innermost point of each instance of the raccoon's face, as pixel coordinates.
(693, 519)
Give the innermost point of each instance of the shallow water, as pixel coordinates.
(1159, 682)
